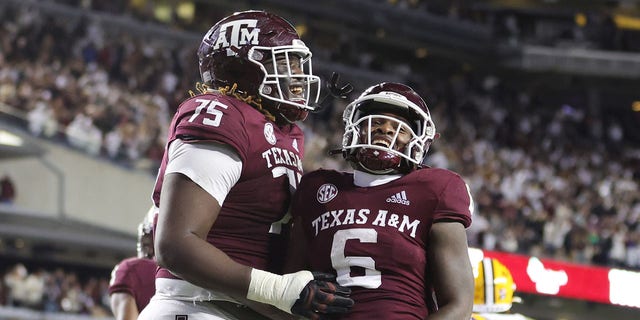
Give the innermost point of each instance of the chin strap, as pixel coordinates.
(378, 172)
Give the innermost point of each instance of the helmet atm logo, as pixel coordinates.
(240, 34)
(326, 192)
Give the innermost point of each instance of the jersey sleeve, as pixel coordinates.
(454, 202)
(121, 278)
(194, 161)
(213, 118)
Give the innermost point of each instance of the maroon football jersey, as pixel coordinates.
(135, 276)
(374, 238)
(247, 227)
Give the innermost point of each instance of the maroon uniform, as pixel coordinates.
(374, 238)
(248, 226)
(135, 276)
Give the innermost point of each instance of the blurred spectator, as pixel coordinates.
(42, 120)
(3, 293)
(84, 135)
(14, 281)
(7, 190)
(74, 298)
(53, 291)
(34, 285)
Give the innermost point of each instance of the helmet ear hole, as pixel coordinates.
(257, 55)
(418, 154)
(206, 77)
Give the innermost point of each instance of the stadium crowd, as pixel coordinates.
(550, 178)
(54, 291)
(553, 24)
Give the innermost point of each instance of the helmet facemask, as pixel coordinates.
(380, 152)
(289, 86)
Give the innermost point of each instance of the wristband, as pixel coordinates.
(281, 291)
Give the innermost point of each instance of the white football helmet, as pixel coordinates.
(398, 99)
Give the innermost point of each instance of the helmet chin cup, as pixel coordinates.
(377, 161)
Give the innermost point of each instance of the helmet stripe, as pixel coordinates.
(489, 294)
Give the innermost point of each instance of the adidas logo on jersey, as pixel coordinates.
(400, 197)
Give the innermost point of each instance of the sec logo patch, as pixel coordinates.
(326, 192)
(268, 133)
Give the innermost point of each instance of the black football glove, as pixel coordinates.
(338, 91)
(335, 90)
(322, 296)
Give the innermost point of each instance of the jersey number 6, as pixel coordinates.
(342, 264)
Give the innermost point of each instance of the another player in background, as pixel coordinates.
(233, 159)
(393, 230)
(133, 280)
(494, 289)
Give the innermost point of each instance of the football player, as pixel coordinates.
(393, 230)
(232, 161)
(493, 295)
(133, 280)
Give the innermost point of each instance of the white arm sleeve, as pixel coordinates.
(214, 167)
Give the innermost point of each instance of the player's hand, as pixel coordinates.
(322, 296)
(336, 90)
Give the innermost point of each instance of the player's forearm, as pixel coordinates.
(204, 265)
(195, 260)
(452, 312)
(123, 306)
(452, 272)
(268, 311)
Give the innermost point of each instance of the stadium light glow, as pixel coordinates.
(9, 139)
